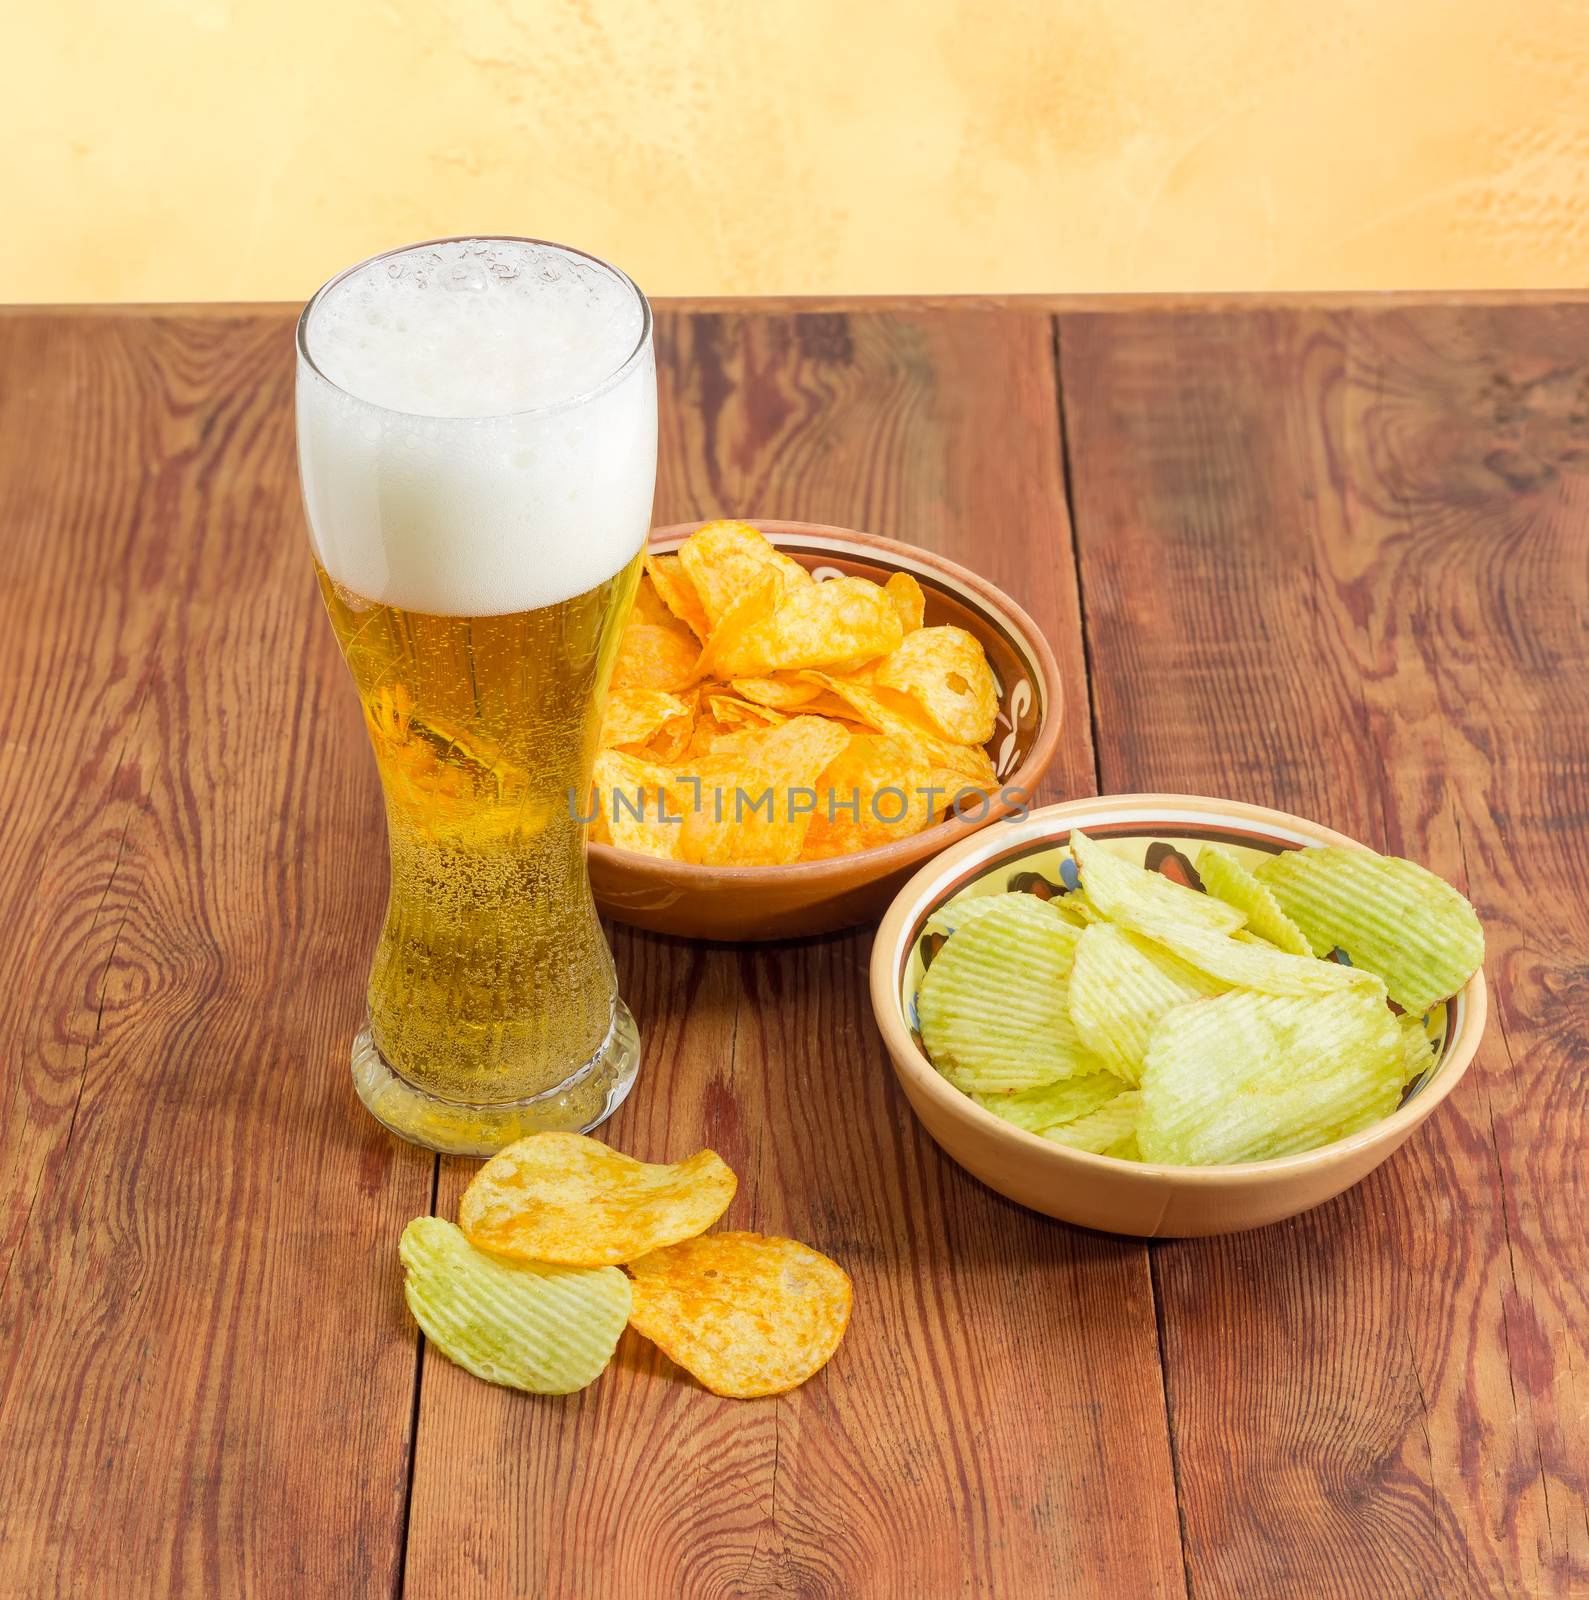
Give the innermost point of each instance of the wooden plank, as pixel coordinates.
(994, 1422)
(1338, 563)
(205, 1371)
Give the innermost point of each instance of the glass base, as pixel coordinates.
(581, 1102)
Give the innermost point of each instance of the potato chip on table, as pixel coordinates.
(746, 1314)
(528, 1325)
(562, 1197)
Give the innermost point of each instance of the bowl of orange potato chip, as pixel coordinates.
(1165, 1015)
(799, 716)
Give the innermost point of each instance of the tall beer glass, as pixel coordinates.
(477, 443)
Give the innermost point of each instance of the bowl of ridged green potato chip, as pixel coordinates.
(1166, 1016)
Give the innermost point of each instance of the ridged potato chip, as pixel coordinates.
(1417, 1048)
(1225, 878)
(907, 599)
(944, 671)
(1244, 964)
(564, 1198)
(992, 1006)
(1111, 1130)
(1392, 917)
(724, 559)
(1114, 884)
(957, 913)
(1246, 1077)
(677, 593)
(1038, 1110)
(744, 1313)
(1120, 985)
(528, 1325)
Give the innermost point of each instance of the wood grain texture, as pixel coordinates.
(1333, 559)
(997, 1400)
(1339, 563)
(204, 1367)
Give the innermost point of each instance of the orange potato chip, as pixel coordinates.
(633, 806)
(671, 742)
(654, 657)
(563, 1198)
(735, 712)
(745, 1313)
(677, 593)
(648, 607)
(782, 694)
(945, 672)
(724, 560)
(731, 639)
(745, 616)
(875, 791)
(633, 716)
(908, 600)
(836, 623)
(757, 797)
(888, 711)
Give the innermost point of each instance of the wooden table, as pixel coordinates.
(1327, 556)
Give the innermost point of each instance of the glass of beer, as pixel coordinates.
(477, 439)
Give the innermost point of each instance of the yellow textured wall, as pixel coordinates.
(239, 149)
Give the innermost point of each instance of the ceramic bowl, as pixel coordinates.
(752, 903)
(1163, 832)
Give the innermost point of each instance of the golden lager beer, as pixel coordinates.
(477, 442)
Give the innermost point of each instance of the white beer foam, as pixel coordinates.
(462, 448)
